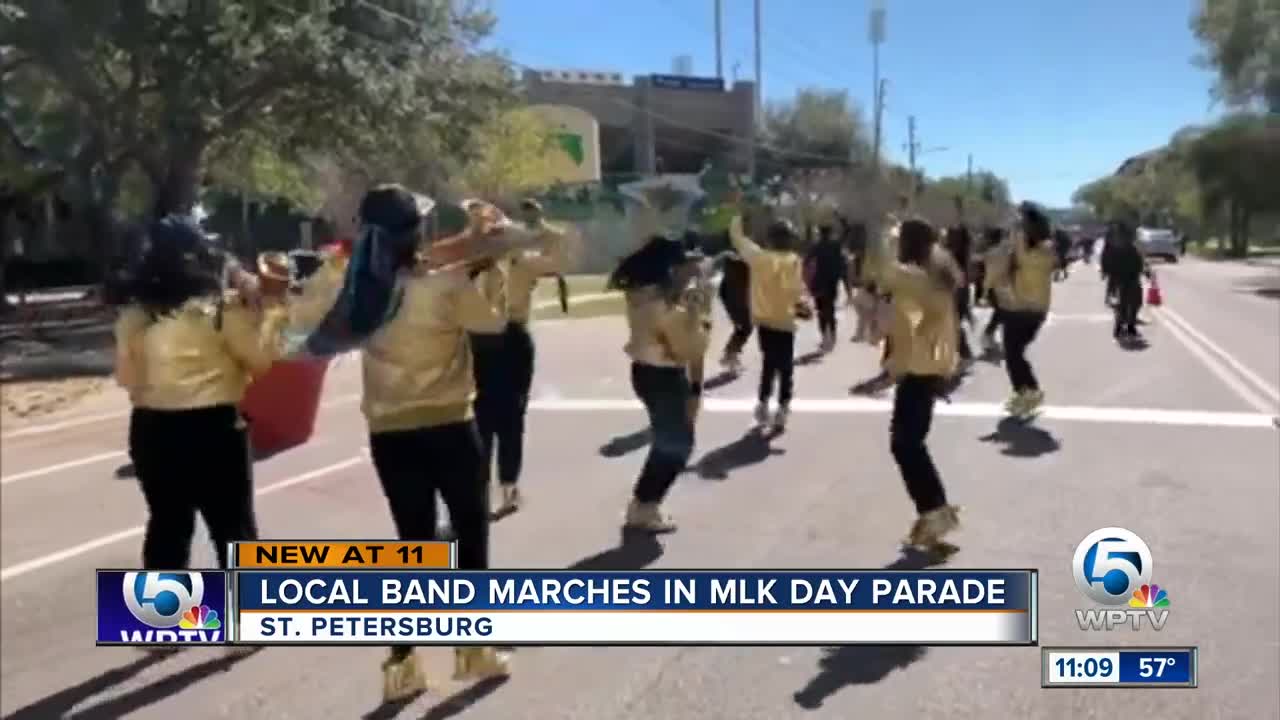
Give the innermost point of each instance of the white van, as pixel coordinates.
(1159, 243)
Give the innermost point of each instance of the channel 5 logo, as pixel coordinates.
(1112, 567)
(140, 607)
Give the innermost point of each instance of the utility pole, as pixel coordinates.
(876, 31)
(968, 177)
(879, 119)
(755, 110)
(719, 10)
(912, 145)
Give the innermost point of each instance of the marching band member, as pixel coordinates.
(735, 295)
(185, 352)
(504, 361)
(1034, 260)
(777, 289)
(921, 358)
(667, 337)
(830, 271)
(996, 264)
(418, 388)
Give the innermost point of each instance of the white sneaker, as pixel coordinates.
(762, 413)
(648, 517)
(780, 418)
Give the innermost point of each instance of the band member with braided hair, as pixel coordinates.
(1034, 259)
(417, 399)
(185, 352)
(922, 358)
(777, 292)
(504, 361)
(667, 339)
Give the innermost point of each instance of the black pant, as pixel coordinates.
(739, 313)
(993, 322)
(665, 394)
(912, 417)
(963, 314)
(779, 350)
(414, 465)
(1020, 329)
(504, 376)
(188, 462)
(1128, 303)
(826, 306)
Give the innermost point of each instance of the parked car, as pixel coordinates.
(1159, 243)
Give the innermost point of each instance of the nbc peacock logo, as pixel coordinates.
(200, 618)
(1149, 596)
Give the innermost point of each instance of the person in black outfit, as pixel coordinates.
(830, 271)
(1108, 252)
(735, 295)
(1125, 268)
(959, 244)
(1061, 245)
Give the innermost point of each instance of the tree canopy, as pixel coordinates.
(1241, 41)
(816, 129)
(182, 88)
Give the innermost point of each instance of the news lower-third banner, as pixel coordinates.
(558, 607)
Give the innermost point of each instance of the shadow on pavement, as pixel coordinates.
(1133, 344)
(636, 550)
(1022, 439)
(849, 665)
(624, 444)
(61, 704)
(462, 700)
(809, 358)
(750, 449)
(720, 379)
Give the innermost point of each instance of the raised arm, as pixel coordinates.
(745, 246)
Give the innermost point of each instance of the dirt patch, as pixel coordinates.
(25, 400)
(53, 370)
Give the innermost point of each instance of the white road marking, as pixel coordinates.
(64, 424)
(68, 465)
(1261, 384)
(23, 568)
(1142, 416)
(1230, 379)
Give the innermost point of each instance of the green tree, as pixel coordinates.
(518, 153)
(1241, 40)
(1237, 166)
(816, 129)
(180, 88)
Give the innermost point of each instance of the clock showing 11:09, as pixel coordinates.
(1090, 667)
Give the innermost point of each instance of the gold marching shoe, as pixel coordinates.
(402, 678)
(479, 663)
(928, 531)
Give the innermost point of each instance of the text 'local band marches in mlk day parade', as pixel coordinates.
(436, 297)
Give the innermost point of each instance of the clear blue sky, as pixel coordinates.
(1047, 93)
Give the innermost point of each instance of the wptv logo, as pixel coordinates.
(1112, 567)
(172, 607)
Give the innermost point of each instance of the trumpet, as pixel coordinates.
(488, 236)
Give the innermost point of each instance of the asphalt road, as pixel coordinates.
(1175, 442)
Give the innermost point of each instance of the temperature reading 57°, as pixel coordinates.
(1154, 667)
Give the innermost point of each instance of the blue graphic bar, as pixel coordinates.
(1088, 667)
